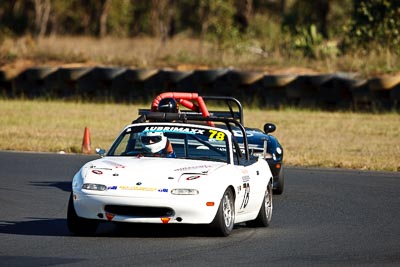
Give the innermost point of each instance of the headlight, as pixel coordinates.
(261, 154)
(98, 187)
(184, 191)
(268, 156)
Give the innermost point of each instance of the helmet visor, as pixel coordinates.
(151, 139)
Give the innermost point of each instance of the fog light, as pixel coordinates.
(165, 220)
(184, 191)
(110, 216)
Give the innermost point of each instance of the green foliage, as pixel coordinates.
(120, 18)
(14, 16)
(299, 16)
(71, 17)
(263, 27)
(375, 22)
(313, 45)
(310, 28)
(140, 17)
(307, 22)
(308, 41)
(220, 26)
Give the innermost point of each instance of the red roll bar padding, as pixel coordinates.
(183, 99)
(190, 105)
(175, 95)
(203, 109)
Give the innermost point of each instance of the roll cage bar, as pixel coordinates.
(197, 106)
(184, 117)
(228, 100)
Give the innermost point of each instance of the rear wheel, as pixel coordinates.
(78, 225)
(265, 214)
(223, 222)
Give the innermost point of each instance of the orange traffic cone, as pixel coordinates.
(86, 141)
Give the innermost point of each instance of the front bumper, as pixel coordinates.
(188, 209)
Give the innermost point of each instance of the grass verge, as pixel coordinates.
(309, 138)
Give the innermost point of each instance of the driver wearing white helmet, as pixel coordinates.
(157, 144)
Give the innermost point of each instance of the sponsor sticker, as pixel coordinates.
(245, 178)
(192, 168)
(140, 188)
(193, 177)
(137, 188)
(114, 164)
(174, 129)
(163, 190)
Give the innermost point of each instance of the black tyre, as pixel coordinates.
(78, 225)
(265, 214)
(224, 220)
(278, 190)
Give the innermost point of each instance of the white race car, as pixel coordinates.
(164, 170)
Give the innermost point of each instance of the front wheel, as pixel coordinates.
(264, 216)
(278, 184)
(224, 220)
(78, 225)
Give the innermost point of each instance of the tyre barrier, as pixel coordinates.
(127, 85)
(5, 86)
(32, 82)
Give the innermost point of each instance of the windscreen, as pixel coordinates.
(185, 142)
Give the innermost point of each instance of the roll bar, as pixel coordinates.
(184, 117)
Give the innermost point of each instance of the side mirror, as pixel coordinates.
(269, 128)
(100, 151)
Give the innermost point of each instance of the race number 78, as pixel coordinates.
(217, 135)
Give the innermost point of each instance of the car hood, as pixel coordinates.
(255, 139)
(143, 174)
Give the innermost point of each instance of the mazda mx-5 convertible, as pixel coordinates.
(162, 169)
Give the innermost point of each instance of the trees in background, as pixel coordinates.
(310, 24)
(376, 22)
(42, 14)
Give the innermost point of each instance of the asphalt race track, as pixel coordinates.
(324, 218)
